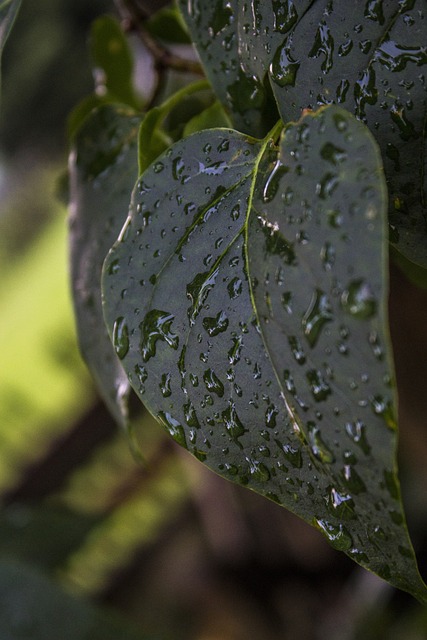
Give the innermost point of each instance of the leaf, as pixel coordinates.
(167, 24)
(8, 12)
(211, 118)
(113, 62)
(103, 170)
(373, 61)
(196, 355)
(153, 138)
(370, 58)
(35, 608)
(316, 247)
(214, 29)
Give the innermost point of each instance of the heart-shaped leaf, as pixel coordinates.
(370, 57)
(103, 169)
(310, 429)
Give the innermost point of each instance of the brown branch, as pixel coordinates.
(162, 56)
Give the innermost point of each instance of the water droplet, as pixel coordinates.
(270, 416)
(340, 504)
(327, 185)
(406, 128)
(190, 416)
(275, 242)
(384, 408)
(284, 68)
(216, 325)
(175, 429)
(120, 337)
(235, 288)
(342, 91)
(232, 422)
(213, 383)
(158, 167)
(272, 182)
(333, 154)
(197, 292)
(365, 92)
(156, 326)
(323, 43)
(318, 386)
(395, 57)
(345, 48)
(317, 315)
(335, 218)
(357, 432)
(113, 267)
(292, 454)
(285, 15)
(358, 300)
(337, 535)
(258, 470)
(374, 11)
(297, 350)
(317, 445)
(352, 480)
(164, 385)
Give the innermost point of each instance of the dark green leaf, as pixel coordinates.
(79, 114)
(23, 534)
(168, 25)
(214, 29)
(196, 355)
(153, 138)
(210, 118)
(103, 170)
(317, 239)
(113, 62)
(372, 60)
(369, 57)
(35, 608)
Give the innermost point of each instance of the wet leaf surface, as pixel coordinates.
(281, 409)
(371, 59)
(103, 170)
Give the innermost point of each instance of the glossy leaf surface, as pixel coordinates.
(371, 58)
(214, 28)
(176, 284)
(103, 170)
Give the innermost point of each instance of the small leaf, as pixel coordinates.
(167, 24)
(195, 352)
(153, 138)
(113, 61)
(211, 118)
(103, 169)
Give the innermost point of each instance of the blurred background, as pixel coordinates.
(93, 545)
